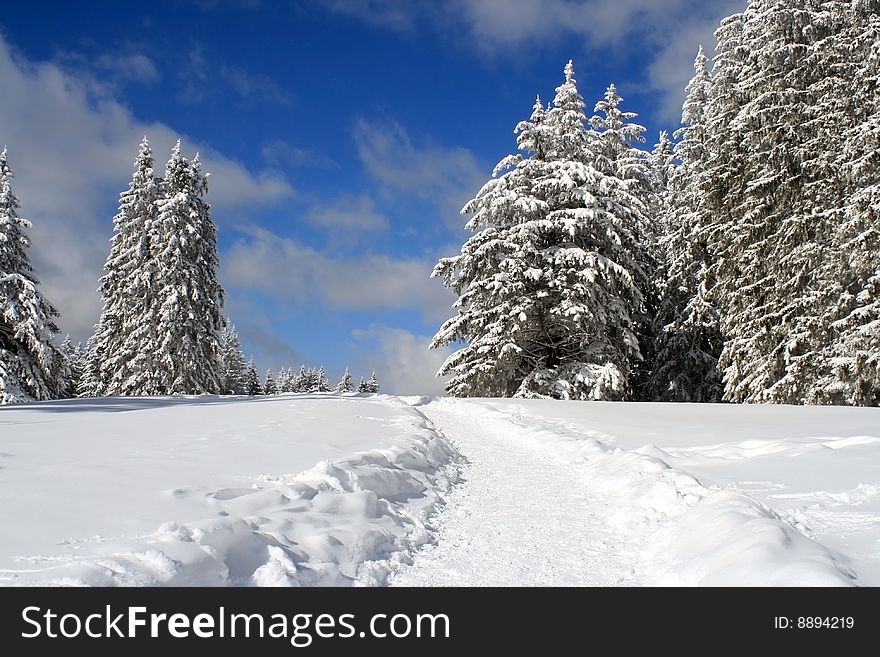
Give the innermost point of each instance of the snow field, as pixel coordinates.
(346, 521)
(312, 490)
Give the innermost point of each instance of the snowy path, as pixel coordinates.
(558, 495)
(520, 518)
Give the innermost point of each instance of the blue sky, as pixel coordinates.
(343, 136)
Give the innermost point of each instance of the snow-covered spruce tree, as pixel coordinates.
(369, 386)
(662, 166)
(550, 285)
(32, 367)
(75, 356)
(852, 354)
(372, 384)
(615, 152)
(774, 192)
(119, 363)
(232, 359)
(284, 381)
(187, 297)
(301, 380)
(89, 382)
(345, 384)
(310, 382)
(281, 381)
(269, 387)
(321, 385)
(252, 385)
(689, 338)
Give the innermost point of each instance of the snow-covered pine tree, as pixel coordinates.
(252, 385)
(69, 384)
(662, 166)
(269, 387)
(851, 355)
(549, 284)
(284, 381)
(89, 382)
(121, 363)
(188, 297)
(345, 384)
(689, 338)
(232, 359)
(372, 384)
(75, 362)
(615, 151)
(773, 194)
(310, 382)
(32, 367)
(322, 384)
(301, 380)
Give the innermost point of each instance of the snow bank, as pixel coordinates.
(691, 532)
(346, 521)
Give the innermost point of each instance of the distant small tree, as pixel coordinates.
(345, 384)
(371, 385)
(269, 384)
(297, 381)
(232, 360)
(321, 383)
(252, 385)
(284, 382)
(75, 362)
(310, 383)
(89, 382)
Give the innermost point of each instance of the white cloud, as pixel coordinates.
(504, 24)
(72, 146)
(446, 177)
(348, 216)
(286, 269)
(193, 73)
(129, 65)
(279, 152)
(402, 360)
(201, 77)
(394, 14)
(251, 86)
(134, 66)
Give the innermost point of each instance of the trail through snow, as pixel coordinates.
(547, 500)
(499, 528)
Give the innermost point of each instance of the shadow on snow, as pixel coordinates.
(122, 404)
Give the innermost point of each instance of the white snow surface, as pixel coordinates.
(215, 491)
(225, 491)
(656, 494)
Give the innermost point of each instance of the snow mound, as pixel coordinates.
(346, 521)
(730, 539)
